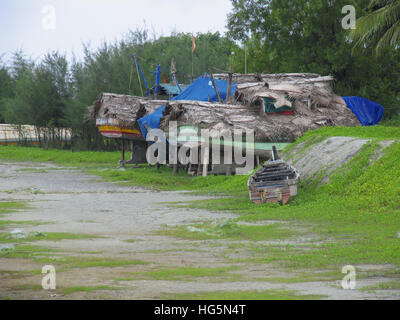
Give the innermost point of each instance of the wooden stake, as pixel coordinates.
(245, 59)
(215, 87)
(228, 170)
(228, 95)
(192, 66)
(123, 153)
(205, 161)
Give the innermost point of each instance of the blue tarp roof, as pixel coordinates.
(368, 112)
(201, 90)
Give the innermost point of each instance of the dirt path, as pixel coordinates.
(123, 221)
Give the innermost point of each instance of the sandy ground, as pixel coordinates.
(77, 203)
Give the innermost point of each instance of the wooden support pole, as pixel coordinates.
(228, 169)
(215, 87)
(245, 59)
(275, 152)
(123, 153)
(228, 95)
(132, 148)
(192, 65)
(199, 165)
(206, 161)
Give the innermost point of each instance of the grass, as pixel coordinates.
(229, 230)
(47, 236)
(63, 157)
(389, 285)
(163, 179)
(11, 206)
(32, 170)
(244, 295)
(356, 216)
(41, 254)
(183, 273)
(306, 277)
(33, 287)
(83, 262)
(73, 289)
(9, 223)
(26, 251)
(104, 164)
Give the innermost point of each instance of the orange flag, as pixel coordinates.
(193, 44)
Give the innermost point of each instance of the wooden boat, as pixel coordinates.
(275, 182)
(111, 128)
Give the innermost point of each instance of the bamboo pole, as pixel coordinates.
(215, 86)
(192, 65)
(228, 95)
(140, 81)
(245, 59)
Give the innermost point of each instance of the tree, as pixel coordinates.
(307, 36)
(380, 26)
(6, 89)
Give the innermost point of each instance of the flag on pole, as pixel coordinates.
(193, 43)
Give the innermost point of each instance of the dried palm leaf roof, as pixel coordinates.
(125, 109)
(267, 127)
(314, 96)
(310, 97)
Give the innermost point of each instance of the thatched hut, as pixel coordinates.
(277, 107)
(278, 112)
(116, 116)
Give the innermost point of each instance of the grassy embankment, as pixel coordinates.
(354, 219)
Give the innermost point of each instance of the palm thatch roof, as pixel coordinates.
(310, 80)
(309, 96)
(125, 110)
(267, 127)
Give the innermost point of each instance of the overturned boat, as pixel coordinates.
(275, 182)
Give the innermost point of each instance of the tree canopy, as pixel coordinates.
(268, 36)
(380, 26)
(307, 36)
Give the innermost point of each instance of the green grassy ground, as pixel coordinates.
(356, 217)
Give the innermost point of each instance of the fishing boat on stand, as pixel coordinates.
(275, 182)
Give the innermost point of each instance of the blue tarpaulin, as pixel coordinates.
(201, 90)
(368, 112)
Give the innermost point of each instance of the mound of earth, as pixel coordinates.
(328, 155)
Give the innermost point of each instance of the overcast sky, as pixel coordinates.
(37, 26)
